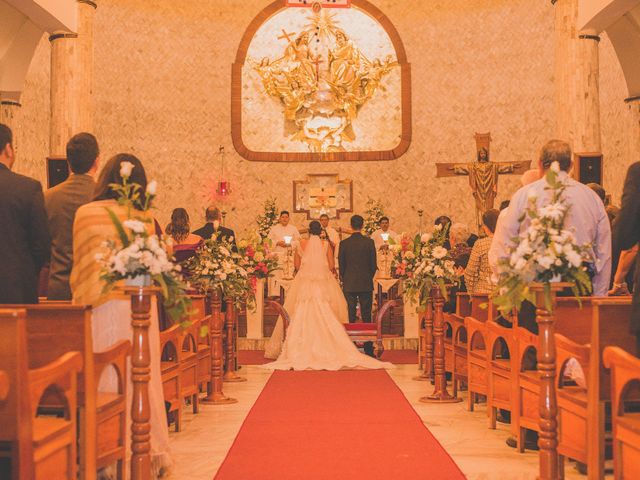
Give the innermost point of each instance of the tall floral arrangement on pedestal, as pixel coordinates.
(138, 255)
(268, 218)
(422, 262)
(217, 265)
(372, 215)
(545, 252)
(259, 260)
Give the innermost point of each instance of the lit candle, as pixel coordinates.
(287, 239)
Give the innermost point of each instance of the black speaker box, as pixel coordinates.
(588, 167)
(57, 171)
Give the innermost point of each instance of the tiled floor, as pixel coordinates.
(481, 453)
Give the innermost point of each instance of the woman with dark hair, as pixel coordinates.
(316, 338)
(111, 319)
(185, 243)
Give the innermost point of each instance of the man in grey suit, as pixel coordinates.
(24, 236)
(62, 202)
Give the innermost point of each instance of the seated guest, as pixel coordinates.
(458, 237)
(185, 243)
(62, 202)
(24, 233)
(112, 311)
(214, 227)
(477, 275)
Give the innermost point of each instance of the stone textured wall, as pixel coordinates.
(162, 91)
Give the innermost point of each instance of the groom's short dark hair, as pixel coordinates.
(356, 222)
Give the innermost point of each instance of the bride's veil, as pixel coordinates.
(313, 264)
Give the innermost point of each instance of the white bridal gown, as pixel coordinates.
(316, 338)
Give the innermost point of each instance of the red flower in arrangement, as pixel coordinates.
(250, 251)
(254, 283)
(262, 267)
(404, 243)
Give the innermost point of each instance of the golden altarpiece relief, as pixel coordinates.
(321, 84)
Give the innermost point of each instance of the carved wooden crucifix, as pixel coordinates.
(483, 174)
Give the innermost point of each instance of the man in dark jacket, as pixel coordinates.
(626, 234)
(24, 234)
(62, 202)
(214, 228)
(357, 262)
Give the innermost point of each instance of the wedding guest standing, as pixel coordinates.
(185, 243)
(112, 311)
(477, 274)
(62, 202)
(627, 234)
(24, 234)
(214, 228)
(586, 217)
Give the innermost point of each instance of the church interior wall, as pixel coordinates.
(162, 91)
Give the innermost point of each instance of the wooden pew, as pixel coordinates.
(188, 360)
(36, 447)
(170, 370)
(611, 326)
(625, 377)
(455, 349)
(103, 415)
(477, 360)
(501, 348)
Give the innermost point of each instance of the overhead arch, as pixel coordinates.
(620, 19)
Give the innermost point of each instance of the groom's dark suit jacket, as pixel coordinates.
(357, 262)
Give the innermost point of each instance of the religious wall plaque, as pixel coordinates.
(321, 84)
(322, 194)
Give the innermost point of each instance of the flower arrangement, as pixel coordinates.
(422, 262)
(373, 213)
(268, 218)
(260, 261)
(545, 252)
(137, 253)
(217, 265)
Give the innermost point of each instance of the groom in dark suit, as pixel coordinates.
(357, 263)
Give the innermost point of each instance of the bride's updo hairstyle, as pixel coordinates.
(315, 228)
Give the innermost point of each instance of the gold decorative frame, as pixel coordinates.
(236, 97)
(298, 183)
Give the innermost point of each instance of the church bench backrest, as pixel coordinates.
(573, 318)
(463, 304)
(32, 454)
(625, 376)
(481, 308)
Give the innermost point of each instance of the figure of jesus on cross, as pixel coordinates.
(483, 175)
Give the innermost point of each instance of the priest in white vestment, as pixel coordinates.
(282, 236)
(382, 238)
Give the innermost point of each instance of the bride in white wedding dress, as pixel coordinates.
(316, 338)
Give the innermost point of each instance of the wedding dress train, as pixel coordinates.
(316, 338)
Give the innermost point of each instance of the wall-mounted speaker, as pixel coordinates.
(57, 171)
(588, 167)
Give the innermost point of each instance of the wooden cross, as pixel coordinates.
(318, 60)
(286, 36)
(483, 174)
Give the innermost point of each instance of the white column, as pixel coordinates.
(71, 80)
(577, 97)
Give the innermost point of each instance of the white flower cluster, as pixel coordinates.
(268, 218)
(373, 214)
(143, 255)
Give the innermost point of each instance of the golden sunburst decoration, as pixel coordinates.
(324, 24)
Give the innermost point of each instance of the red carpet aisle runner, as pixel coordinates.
(399, 357)
(335, 425)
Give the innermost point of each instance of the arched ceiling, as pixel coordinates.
(621, 20)
(22, 23)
